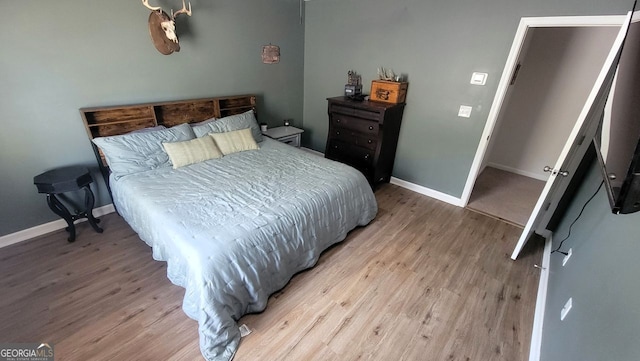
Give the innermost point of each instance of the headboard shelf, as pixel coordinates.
(240, 107)
(235, 102)
(113, 120)
(121, 122)
(121, 119)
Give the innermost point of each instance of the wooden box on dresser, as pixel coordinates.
(364, 134)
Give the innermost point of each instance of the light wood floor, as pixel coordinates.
(424, 281)
(505, 195)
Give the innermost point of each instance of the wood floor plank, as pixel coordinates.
(424, 281)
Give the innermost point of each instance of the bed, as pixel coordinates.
(232, 229)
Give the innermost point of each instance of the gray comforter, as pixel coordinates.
(236, 229)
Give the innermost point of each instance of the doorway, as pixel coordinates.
(554, 72)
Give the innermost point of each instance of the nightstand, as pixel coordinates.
(61, 180)
(289, 135)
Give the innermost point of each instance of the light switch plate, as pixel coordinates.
(479, 78)
(465, 111)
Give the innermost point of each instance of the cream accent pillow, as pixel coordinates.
(192, 151)
(235, 141)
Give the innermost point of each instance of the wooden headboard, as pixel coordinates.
(121, 119)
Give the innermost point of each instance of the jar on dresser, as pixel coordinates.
(364, 135)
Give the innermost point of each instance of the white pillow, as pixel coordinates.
(235, 141)
(192, 151)
(137, 152)
(231, 123)
(149, 129)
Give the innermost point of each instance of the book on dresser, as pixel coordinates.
(364, 135)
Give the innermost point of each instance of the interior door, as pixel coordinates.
(575, 147)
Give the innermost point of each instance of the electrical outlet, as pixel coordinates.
(566, 258)
(565, 310)
(465, 111)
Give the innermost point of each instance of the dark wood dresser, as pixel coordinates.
(364, 135)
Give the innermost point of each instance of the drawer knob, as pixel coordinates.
(366, 156)
(335, 147)
(337, 132)
(338, 120)
(371, 127)
(369, 141)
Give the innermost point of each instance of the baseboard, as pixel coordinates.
(412, 186)
(541, 302)
(42, 229)
(36, 231)
(542, 177)
(428, 192)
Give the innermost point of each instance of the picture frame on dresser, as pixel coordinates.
(364, 135)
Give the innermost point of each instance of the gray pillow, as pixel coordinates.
(229, 124)
(137, 152)
(203, 122)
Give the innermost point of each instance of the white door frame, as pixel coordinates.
(503, 86)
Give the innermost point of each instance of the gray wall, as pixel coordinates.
(602, 278)
(438, 44)
(63, 55)
(556, 77)
(59, 56)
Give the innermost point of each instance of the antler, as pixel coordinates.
(152, 8)
(181, 11)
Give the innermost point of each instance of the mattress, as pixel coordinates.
(236, 229)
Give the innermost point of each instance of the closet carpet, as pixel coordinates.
(505, 195)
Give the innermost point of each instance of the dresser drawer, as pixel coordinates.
(354, 155)
(349, 136)
(357, 124)
(360, 113)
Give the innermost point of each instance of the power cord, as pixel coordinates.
(575, 220)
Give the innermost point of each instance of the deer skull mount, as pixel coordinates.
(162, 27)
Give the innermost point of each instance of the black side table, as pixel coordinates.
(63, 180)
